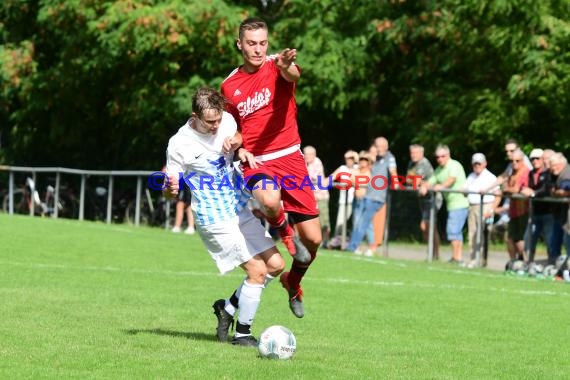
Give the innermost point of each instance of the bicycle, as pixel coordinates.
(151, 213)
(27, 201)
(96, 198)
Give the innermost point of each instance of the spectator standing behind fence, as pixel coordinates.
(546, 154)
(478, 233)
(541, 219)
(375, 197)
(511, 146)
(557, 233)
(518, 208)
(364, 165)
(346, 197)
(317, 175)
(560, 168)
(450, 175)
(420, 166)
(379, 221)
(184, 207)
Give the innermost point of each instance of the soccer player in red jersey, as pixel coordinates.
(262, 90)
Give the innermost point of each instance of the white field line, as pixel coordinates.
(108, 269)
(365, 283)
(403, 264)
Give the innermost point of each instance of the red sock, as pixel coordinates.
(298, 271)
(276, 221)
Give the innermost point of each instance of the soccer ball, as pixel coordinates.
(519, 266)
(535, 269)
(550, 271)
(277, 342)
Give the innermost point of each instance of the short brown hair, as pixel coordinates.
(251, 23)
(207, 98)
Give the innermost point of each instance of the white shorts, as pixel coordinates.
(236, 241)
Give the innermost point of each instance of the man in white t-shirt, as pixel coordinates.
(477, 183)
(200, 153)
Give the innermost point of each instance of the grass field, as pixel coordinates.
(88, 300)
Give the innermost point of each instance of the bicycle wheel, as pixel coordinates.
(145, 217)
(20, 203)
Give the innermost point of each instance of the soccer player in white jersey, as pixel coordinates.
(233, 236)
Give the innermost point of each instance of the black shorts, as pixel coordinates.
(185, 195)
(517, 227)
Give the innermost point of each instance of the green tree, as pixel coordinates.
(466, 73)
(102, 84)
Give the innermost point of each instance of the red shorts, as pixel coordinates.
(290, 173)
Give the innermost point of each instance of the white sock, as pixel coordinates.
(249, 302)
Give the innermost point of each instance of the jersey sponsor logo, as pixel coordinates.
(251, 104)
(219, 163)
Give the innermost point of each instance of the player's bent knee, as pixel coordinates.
(309, 230)
(270, 202)
(257, 278)
(279, 267)
(256, 270)
(275, 265)
(312, 241)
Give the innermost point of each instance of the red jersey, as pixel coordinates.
(267, 109)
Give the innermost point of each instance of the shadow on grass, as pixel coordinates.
(174, 334)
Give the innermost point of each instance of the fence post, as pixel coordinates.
(110, 200)
(528, 235)
(431, 231)
(82, 198)
(345, 217)
(56, 195)
(388, 206)
(480, 231)
(11, 193)
(167, 220)
(138, 202)
(32, 207)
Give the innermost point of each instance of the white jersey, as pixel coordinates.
(476, 183)
(218, 193)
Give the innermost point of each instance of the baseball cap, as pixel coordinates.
(536, 153)
(478, 158)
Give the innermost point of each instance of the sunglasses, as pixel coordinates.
(535, 158)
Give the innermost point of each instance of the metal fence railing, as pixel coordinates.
(111, 175)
